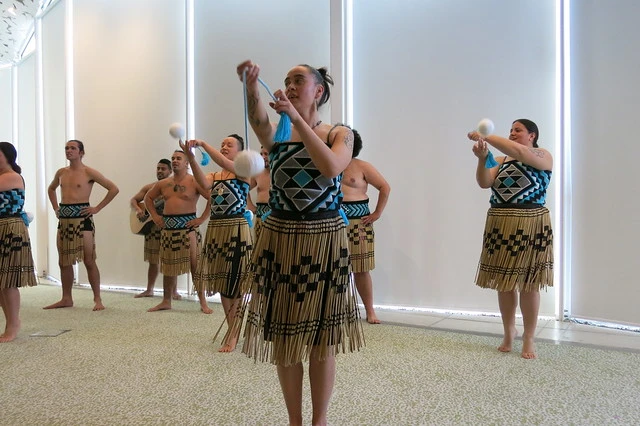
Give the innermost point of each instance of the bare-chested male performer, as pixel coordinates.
(355, 182)
(179, 238)
(152, 237)
(76, 231)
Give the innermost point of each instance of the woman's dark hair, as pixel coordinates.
(531, 128)
(321, 76)
(10, 154)
(357, 140)
(239, 139)
(80, 144)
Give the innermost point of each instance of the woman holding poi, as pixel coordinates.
(517, 253)
(302, 305)
(226, 251)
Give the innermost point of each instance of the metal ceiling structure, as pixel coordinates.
(17, 18)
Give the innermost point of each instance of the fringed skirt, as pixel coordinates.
(175, 245)
(300, 296)
(225, 257)
(517, 252)
(152, 245)
(361, 237)
(261, 210)
(71, 229)
(16, 260)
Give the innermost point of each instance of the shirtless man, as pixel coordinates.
(152, 238)
(179, 236)
(355, 182)
(76, 231)
(262, 183)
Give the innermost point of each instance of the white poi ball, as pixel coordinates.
(29, 217)
(176, 130)
(248, 163)
(251, 215)
(485, 127)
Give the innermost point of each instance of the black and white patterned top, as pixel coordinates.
(11, 202)
(518, 183)
(296, 183)
(229, 197)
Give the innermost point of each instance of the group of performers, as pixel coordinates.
(293, 281)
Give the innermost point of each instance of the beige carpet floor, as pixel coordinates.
(124, 366)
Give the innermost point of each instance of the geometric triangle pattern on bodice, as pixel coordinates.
(229, 197)
(297, 185)
(519, 183)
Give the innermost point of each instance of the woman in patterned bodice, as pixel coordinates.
(16, 260)
(517, 253)
(226, 251)
(302, 306)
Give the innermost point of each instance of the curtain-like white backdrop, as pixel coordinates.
(130, 85)
(26, 140)
(228, 33)
(424, 75)
(6, 109)
(605, 102)
(53, 120)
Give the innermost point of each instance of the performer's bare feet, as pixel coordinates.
(206, 309)
(372, 318)
(64, 303)
(146, 293)
(528, 348)
(162, 306)
(98, 305)
(507, 342)
(229, 346)
(10, 333)
(176, 296)
(4, 338)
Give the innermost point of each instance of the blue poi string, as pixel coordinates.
(490, 162)
(205, 157)
(246, 108)
(248, 215)
(283, 131)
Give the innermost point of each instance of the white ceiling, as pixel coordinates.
(16, 27)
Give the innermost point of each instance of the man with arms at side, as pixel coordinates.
(76, 231)
(179, 236)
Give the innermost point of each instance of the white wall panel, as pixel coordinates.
(425, 73)
(605, 102)
(6, 109)
(276, 35)
(130, 85)
(26, 140)
(54, 115)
